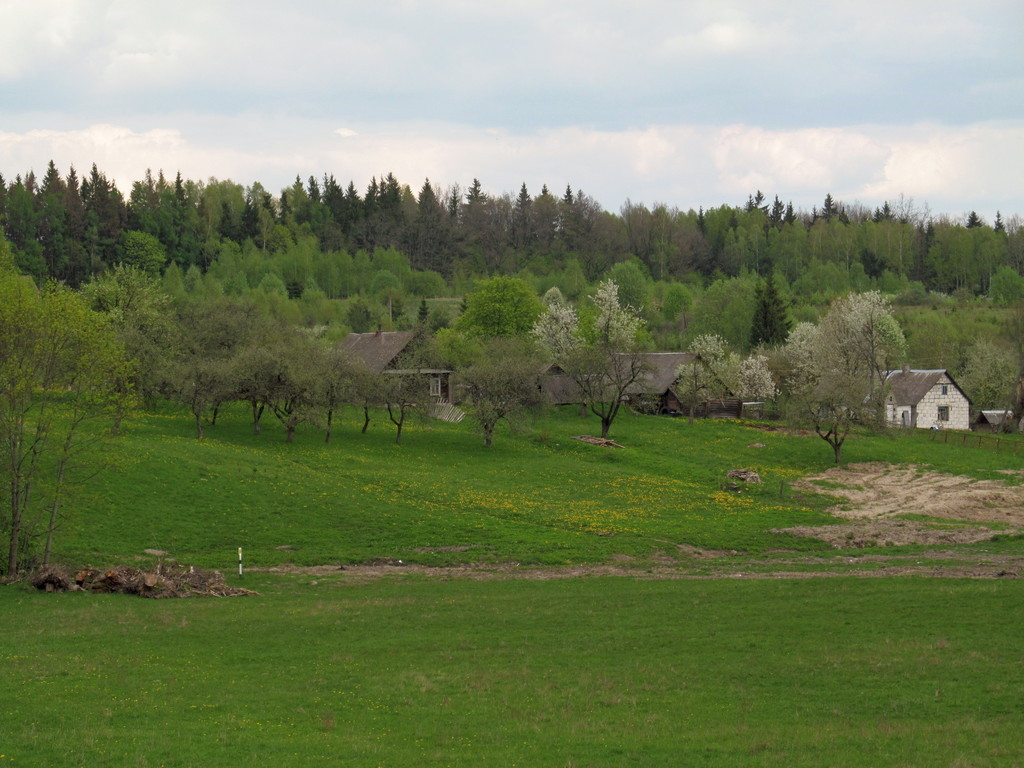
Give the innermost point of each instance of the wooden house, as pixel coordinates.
(658, 381)
(655, 391)
(386, 351)
(926, 399)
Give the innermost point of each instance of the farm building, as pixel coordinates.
(926, 399)
(383, 352)
(993, 421)
(655, 391)
(656, 382)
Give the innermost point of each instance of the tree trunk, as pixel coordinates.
(55, 507)
(366, 418)
(330, 419)
(488, 435)
(199, 426)
(54, 511)
(398, 434)
(257, 412)
(15, 541)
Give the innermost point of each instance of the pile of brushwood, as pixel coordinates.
(165, 580)
(602, 441)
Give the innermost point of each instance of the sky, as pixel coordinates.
(680, 103)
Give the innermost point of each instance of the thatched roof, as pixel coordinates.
(910, 386)
(377, 350)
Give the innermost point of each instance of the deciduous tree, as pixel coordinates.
(501, 383)
(500, 306)
(838, 367)
(60, 365)
(603, 360)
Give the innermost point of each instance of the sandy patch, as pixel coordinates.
(964, 510)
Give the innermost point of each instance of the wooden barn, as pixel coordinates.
(993, 421)
(386, 351)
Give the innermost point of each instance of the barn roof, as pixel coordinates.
(379, 349)
(660, 371)
(658, 377)
(996, 417)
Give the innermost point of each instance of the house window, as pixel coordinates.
(943, 413)
(435, 386)
(945, 389)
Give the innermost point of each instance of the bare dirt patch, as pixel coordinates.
(878, 496)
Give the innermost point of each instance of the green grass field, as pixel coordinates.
(535, 497)
(582, 672)
(650, 668)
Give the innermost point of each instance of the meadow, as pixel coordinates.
(581, 672)
(536, 497)
(645, 668)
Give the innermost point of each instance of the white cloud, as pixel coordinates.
(949, 168)
(935, 163)
(749, 158)
(691, 103)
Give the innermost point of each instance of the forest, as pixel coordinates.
(323, 254)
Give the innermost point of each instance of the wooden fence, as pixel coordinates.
(978, 440)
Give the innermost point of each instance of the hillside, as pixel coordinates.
(537, 497)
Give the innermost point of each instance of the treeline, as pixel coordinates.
(310, 237)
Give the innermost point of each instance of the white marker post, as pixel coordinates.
(239, 561)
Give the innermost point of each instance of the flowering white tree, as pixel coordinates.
(838, 367)
(602, 363)
(717, 372)
(756, 381)
(558, 331)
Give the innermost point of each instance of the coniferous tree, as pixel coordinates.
(828, 208)
(771, 323)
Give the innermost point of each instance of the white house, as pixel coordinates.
(926, 400)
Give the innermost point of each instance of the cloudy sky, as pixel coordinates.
(683, 103)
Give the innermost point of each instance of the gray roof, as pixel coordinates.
(658, 377)
(377, 350)
(910, 386)
(996, 418)
(659, 374)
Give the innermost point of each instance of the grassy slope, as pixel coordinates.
(535, 497)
